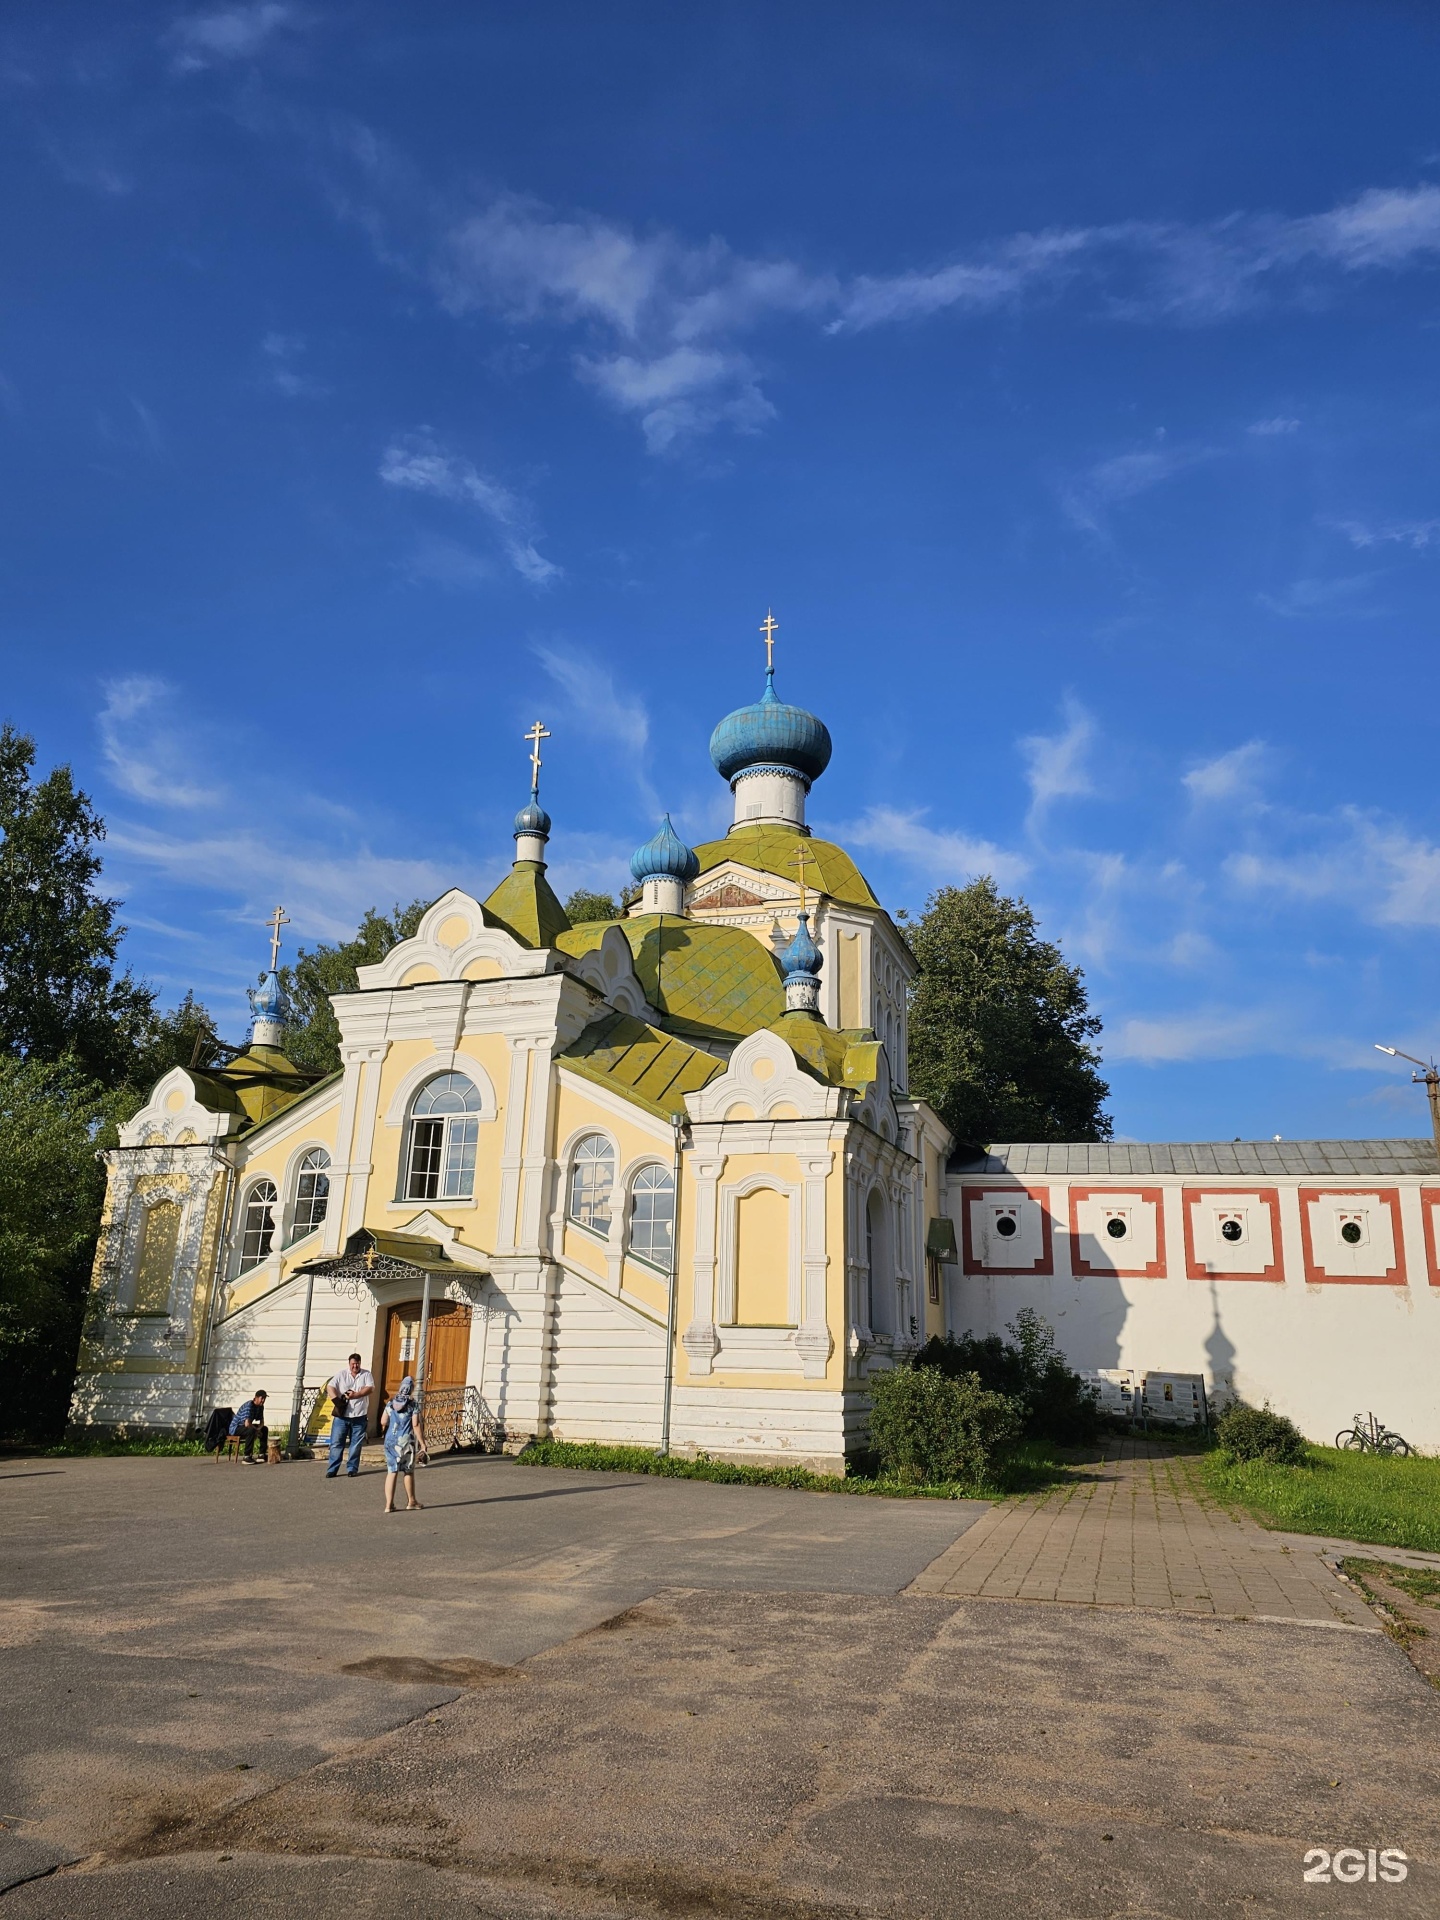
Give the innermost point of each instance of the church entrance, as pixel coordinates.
(447, 1345)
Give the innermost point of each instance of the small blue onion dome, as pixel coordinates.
(267, 1001)
(770, 734)
(802, 959)
(532, 819)
(666, 856)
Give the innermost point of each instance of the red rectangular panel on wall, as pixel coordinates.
(1352, 1237)
(1430, 1208)
(1208, 1253)
(1138, 1252)
(1035, 1237)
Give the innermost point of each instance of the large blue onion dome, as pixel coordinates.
(532, 819)
(770, 734)
(666, 856)
(802, 959)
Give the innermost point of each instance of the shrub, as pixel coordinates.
(1028, 1368)
(929, 1427)
(1256, 1433)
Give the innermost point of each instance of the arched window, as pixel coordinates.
(258, 1227)
(880, 1307)
(592, 1176)
(444, 1129)
(312, 1193)
(652, 1216)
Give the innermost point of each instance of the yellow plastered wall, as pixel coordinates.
(476, 1224)
(635, 1140)
(275, 1152)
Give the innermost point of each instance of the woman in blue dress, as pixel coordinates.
(404, 1436)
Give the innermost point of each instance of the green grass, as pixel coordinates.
(90, 1445)
(1352, 1496)
(1027, 1468)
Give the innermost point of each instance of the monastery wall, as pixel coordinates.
(1321, 1297)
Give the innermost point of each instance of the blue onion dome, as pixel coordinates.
(267, 1001)
(665, 856)
(532, 819)
(770, 734)
(802, 959)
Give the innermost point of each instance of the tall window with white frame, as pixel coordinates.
(312, 1193)
(257, 1226)
(592, 1179)
(652, 1216)
(444, 1133)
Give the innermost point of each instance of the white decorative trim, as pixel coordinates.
(483, 943)
(700, 1339)
(610, 969)
(155, 1116)
(398, 1111)
(764, 1074)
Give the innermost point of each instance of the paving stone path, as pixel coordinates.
(1138, 1529)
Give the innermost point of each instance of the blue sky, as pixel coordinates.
(375, 379)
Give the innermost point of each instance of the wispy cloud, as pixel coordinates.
(282, 354)
(1416, 534)
(1273, 428)
(1362, 862)
(1216, 1033)
(1325, 597)
(1090, 497)
(598, 708)
(939, 856)
(219, 35)
(145, 756)
(420, 465)
(1230, 776)
(1055, 763)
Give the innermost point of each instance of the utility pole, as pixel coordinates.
(1429, 1078)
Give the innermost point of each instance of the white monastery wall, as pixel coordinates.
(606, 1373)
(1287, 1306)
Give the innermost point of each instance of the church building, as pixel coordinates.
(660, 1180)
(650, 1179)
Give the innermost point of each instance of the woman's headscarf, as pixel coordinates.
(404, 1394)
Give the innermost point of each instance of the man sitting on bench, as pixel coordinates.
(249, 1426)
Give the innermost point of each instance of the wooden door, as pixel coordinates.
(447, 1344)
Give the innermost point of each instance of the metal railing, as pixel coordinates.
(454, 1418)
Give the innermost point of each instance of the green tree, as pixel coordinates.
(60, 995)
(1000, 1025)
(312, 1038)
(53, 1122)
(584, 905)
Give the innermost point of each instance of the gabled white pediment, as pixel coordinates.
(172, 1111)
(452, 942)
(610, 970)
(764, 1075)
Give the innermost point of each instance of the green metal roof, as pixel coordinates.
(260, 1084)
(771, 849)
(847, 1058)
(524, 906)
(704, 978)
(653, 1069)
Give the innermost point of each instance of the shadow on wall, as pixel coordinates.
(124, 1384)
(1220, 1354)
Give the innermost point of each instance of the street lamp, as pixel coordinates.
(1428, 1077)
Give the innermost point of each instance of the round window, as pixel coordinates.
(1117, 1228)
(1350, 1233)
(1230, 1230)
(1006, 1226)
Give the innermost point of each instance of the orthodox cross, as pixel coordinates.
(798, 860)
(769, 626)
(536, 734)
(277, 920)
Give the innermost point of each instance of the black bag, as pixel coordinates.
(340, 1406)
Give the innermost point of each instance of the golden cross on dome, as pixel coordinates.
(769, 626)
(277, 920)
(536, 734)
(797, 860)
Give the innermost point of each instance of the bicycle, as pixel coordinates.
(1368, 1435)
